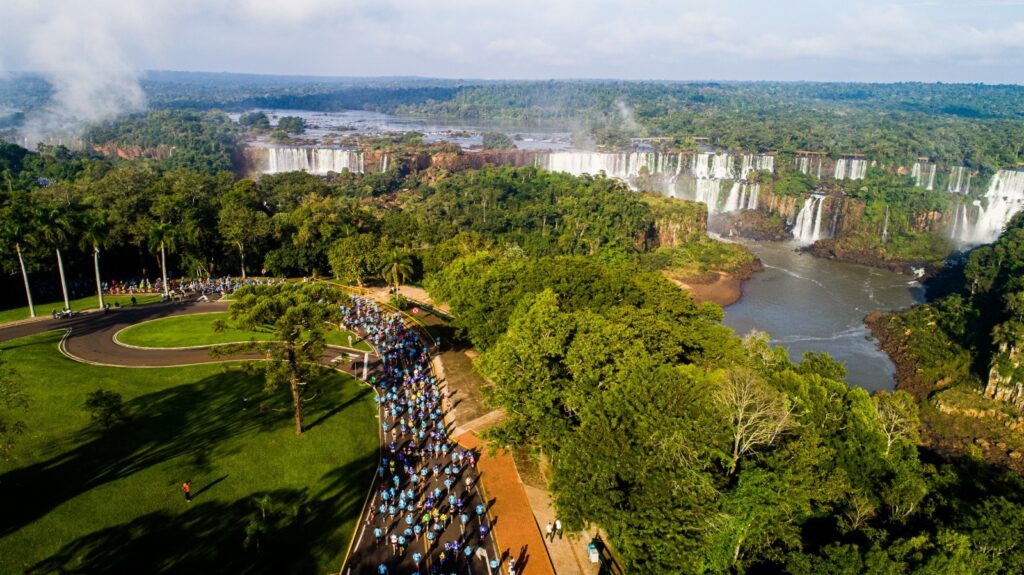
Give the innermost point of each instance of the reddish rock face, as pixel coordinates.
(133, 152)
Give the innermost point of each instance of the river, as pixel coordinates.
(811, 304)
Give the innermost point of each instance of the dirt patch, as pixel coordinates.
(465, 386)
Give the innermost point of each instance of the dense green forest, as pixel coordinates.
(700, 452)
(958, 353)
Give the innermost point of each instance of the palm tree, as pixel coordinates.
(14, 232)
(397, 268)
(94, 235)
(162, 235)
(53, 226)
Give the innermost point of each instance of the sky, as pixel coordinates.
(938, 40)
(93, 51)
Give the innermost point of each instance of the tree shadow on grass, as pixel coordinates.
(299, 533)
(191, 421)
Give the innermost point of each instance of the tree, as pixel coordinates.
(257, 120)
(95, 232)
(756, 413)
(291, 124)
(397, 268)
(356, 258)
(162, 237)
(498, 141)
(14, 231)
(295, 313)
(242, 223)
(53, 226)
(897, 418)
(106, 407)
(12, 396)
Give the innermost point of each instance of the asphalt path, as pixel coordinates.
(90, 338)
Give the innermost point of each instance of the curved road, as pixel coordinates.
(90, 337)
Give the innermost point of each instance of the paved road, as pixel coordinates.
(91, 337)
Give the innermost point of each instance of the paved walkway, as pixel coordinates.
(515, 529)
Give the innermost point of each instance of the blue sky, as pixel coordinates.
(939, 40)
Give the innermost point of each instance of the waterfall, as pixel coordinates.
(615, 165)
(924, 175)
(708, 192)
(318, 161)
(807, 227)
(742, 196)
(384, 163)
(959, 180)
(754, 163)
(721, 166)
(1003, 199)
(808, 165)
(850, 169)
(885, 226)
(701, 166)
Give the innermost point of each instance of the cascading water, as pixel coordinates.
(850, 169)
(755, 163)
(924, 175)
(742, 196)
(885, 226)
(384, 163)
(807, 227)
(708, 191)
(313, 160)
(1003, 199)
(809, 165)
(959, 180)
(614, 165)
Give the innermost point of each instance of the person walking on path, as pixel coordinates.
(550, 531)
(558, 527)
(187, 488)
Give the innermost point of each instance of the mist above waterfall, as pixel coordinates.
(85, 51)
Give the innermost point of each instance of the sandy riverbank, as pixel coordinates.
(724, 290)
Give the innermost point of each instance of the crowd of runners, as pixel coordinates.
(210, 287)
(426, 514)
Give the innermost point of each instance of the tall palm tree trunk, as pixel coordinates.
(163, 267)
(96, 264)
(63, 282)
(24, 276)
(241, 254)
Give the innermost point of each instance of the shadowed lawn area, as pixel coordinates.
(83, 303)
(197, 329)
(77, 498)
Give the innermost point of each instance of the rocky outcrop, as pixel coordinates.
(133, 152)
(751, 224)
(1001, 385)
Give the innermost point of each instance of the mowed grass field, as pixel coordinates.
(83, 303)
(198, 329)
(75, 497)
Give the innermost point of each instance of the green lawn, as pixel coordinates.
(76, 498)
(88, 302)
(197, 329)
